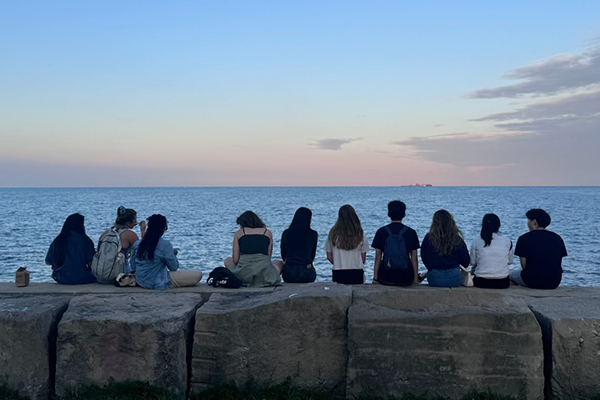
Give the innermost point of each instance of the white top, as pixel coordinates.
(491, 262)
(347, 259)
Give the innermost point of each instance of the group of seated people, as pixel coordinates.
(151, 261)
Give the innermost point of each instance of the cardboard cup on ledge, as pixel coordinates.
(22, 277)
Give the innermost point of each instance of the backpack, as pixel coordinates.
(108, 261)
(223, 277)
(395, 255)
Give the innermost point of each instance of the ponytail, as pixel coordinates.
(489, 226)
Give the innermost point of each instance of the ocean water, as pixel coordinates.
(202, 220)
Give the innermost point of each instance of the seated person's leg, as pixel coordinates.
(229, 263)
(185, 278)
(515, 276)
(278, 264)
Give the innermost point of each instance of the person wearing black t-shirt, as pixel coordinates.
(541, 253)
(397, 277)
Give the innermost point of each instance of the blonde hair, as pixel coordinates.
(347, 233)
(444, 235)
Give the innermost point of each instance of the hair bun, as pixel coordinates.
(121, 210)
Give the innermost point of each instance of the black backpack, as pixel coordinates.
(223, 277)
(395, 255)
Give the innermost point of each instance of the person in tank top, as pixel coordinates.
(251, 253)
(126, 220)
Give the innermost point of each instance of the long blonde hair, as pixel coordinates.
(444, 235)
(347, 233)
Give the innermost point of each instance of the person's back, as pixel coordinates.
(70, 253)
(154, 274)
(252, 247)
(298, 250)
(540, 252)
(544, 251)
(347, 247)
(395, 250)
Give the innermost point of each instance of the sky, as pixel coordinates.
(311, 93)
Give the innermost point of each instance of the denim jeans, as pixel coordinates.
(444, 277)
(515, 276)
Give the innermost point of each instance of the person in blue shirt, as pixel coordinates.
(71, 253)
(154, 261)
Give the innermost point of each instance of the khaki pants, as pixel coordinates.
(185, 278)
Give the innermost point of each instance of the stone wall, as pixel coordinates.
(350, 340)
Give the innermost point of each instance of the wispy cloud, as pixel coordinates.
(332, 144)
(556, 74)
(554, 137)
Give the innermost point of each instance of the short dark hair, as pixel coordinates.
(248, 219)
(396, 210)
(542, 217)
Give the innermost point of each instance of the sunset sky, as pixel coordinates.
(304, 93)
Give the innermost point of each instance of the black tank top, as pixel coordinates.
(254, 244)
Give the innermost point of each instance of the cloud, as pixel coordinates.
(581, 105)
(563, 72)
(332, 144)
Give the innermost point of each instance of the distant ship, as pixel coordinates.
(419, 185)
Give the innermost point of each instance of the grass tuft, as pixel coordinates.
(9, 394)
(127, 390)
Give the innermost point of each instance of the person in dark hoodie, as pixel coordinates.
(71, 253)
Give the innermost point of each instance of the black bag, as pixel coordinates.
(223, 277)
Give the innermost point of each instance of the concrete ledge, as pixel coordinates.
(444, 342)
(297, 331)
(571, 329)
(27, 343)
(144, 337)
(350, 339)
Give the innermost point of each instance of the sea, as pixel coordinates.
(202, 219)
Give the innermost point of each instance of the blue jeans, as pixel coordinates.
(515, 276)
(444, 277)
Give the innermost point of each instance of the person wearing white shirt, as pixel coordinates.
(491, 255)
(347, 247)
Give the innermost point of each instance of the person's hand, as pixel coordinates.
(143, 225)
(175, 251)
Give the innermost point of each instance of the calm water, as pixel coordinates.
(202, 220)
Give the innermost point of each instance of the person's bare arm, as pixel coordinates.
(415, 265)
(143, 228)
(270, 236)
(128, 238)
(235, 249)
(523, 262)
(376, 265)
(330, 257)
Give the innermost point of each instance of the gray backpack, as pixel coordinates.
(108, 262)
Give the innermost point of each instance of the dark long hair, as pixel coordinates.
(157, 225)
(250, 220)
(300, 226)
(73, 223)
(489, 225)
(346, 233)
(444, 235)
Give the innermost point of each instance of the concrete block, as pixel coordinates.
(443, 342)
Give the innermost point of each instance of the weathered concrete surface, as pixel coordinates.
(442, 341)
(571, 329)
(142, 337)
(97, 288)
(27, 340)
(297, 331)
